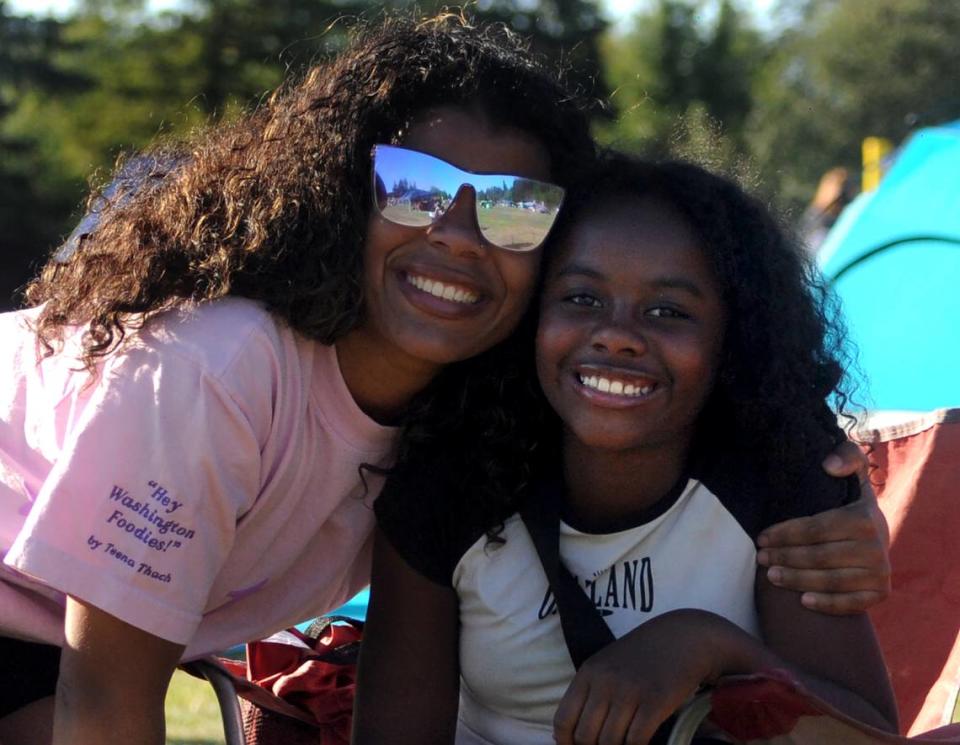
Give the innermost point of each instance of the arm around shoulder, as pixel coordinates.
(408, 683)
(113, 680)
(839, 559)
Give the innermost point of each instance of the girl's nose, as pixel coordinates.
(615, 336)
(456, 229)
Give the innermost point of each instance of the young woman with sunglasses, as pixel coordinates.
(197, 407)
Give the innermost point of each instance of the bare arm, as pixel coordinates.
(625, 691)
(838, 559)
(837, 658)
(409, 675)
(113, 680)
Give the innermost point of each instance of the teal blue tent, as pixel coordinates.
(894, 259)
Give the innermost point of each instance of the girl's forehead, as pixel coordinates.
(625, 221)
(468, 138)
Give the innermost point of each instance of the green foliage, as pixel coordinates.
(77, 93)
(683, 73)
(851, 70)
(31, 190)
(689, 77)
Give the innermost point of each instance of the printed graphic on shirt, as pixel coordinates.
(150, 518)
(628, 584)
(513, 658)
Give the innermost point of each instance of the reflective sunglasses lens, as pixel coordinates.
(515, 213)
(414, 189)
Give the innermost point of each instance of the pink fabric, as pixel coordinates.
(203, 487)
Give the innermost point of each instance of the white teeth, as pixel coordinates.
(616, 387)
(443, 291)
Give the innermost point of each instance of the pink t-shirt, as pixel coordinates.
(205, 486)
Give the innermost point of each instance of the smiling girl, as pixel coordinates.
(195, 410)
(686, 358)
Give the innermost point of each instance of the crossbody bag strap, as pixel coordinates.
(584, 629)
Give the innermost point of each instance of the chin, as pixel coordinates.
(442, 354)
(611, 441)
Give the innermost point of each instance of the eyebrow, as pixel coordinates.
(666, 283)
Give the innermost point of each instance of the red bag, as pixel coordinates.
(298, 687)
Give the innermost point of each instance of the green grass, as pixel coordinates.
(504, 226)
(193, 715)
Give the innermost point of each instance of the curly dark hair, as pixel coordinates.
(785, 354)
(274, 206)
(783, 360)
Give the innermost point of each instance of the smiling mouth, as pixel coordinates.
(617, 387)
(442, 290)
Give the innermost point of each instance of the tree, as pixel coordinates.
(33, 200)
(110, 78)
(851, 70)
(684, 75)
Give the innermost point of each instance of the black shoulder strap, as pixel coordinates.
(584, 629)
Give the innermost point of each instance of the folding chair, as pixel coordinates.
(222, 683)
(915, 470)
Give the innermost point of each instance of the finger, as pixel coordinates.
(868, 555)
(867, 494)
(568, 712)
(839, 524)
(592, 718)
(842, 604)
(617, 722)
(642, 727)
(847, 459)
(839, 581)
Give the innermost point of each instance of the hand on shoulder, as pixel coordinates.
(838, 559)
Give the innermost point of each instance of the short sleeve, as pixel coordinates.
(408, 514)
(139, 511)
(759, 498)
(811, 489)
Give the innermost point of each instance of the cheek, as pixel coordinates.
(374, 248)
(519, 273)
(554, 343)
(380, 234)
(381, 239)
(701, 364)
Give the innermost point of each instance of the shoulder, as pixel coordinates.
(231, 347)
(745, 488)
(202, 363)
(428, 521)
(213, 335)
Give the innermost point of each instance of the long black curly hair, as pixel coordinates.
(783, 373)
(771, 412)
(274, 206)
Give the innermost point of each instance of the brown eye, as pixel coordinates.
(583, 299)
(666, 312)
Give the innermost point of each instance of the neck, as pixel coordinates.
(381, 380)
(606, 489)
